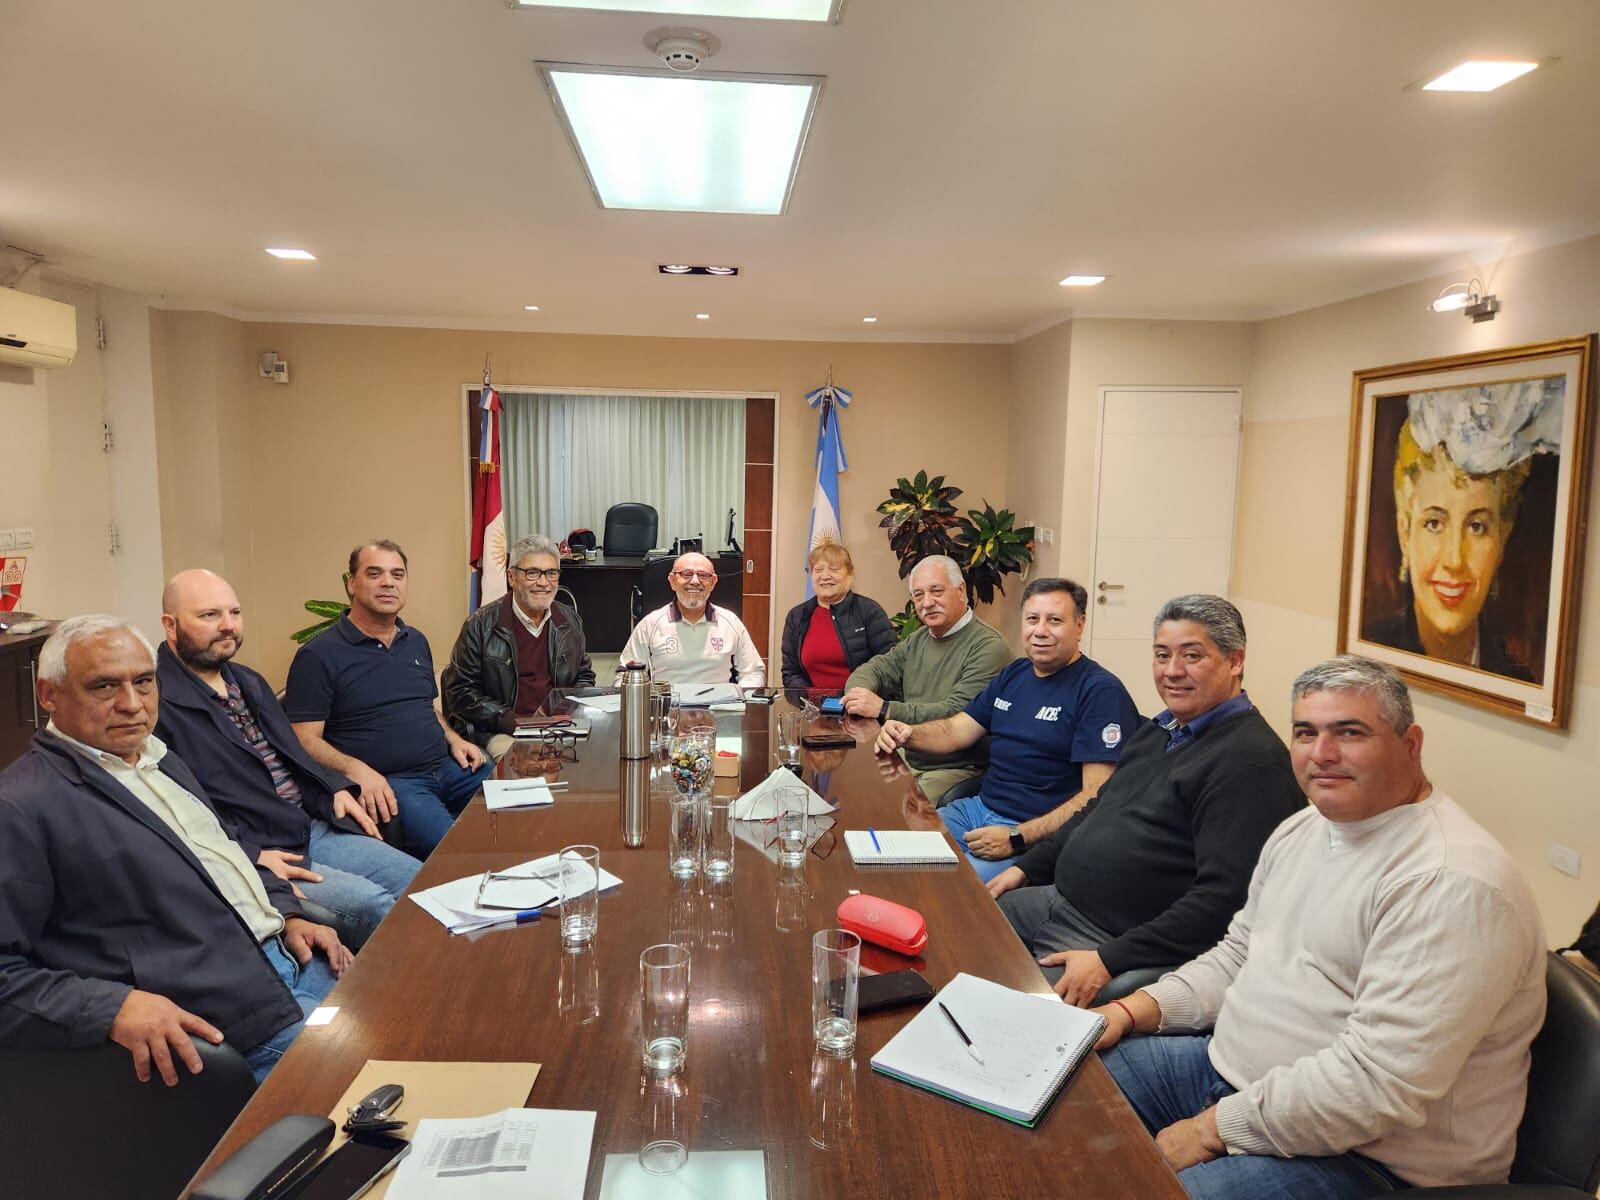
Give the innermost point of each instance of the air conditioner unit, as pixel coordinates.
(35, 332)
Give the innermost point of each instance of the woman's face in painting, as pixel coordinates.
(1452, 539)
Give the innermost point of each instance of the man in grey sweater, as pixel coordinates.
(1372, 1003)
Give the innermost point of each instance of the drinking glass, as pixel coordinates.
(684, 843)
(664, 1007)
(835, 975)
(792, 820)
(660, 716)
(580, 894)
(790, 726)
(578, 993)
(662, 1149)
(719, 839)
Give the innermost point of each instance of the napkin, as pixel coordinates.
(760, 803)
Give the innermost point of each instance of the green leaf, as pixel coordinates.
(327, 608)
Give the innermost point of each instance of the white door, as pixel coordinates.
(1166, 477)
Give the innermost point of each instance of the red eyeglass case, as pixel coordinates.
(884, 923)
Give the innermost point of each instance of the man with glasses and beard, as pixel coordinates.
(690, 640)
(514, 650)
(293, 817)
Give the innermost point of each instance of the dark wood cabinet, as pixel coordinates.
(20, 714)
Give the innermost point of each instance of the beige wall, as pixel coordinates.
(1040, 376)
(1530, 787)
(367, 440)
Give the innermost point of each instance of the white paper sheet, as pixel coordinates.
(454, 904)
(760, 803)
(705, 1175)
(499, 794)
(697, 695)
(509, 1155)
(607, 704)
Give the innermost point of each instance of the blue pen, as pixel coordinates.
(528, 915)
(873, 834)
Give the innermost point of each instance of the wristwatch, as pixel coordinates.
(1018, 842)
(883, 713)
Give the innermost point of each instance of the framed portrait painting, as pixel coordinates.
(1464, 524)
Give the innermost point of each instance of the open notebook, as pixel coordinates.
(898, 847)
(1030, 1044)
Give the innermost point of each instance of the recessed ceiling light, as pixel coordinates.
(869, 320)
(657, 141)
(702, 316)
(1083, 280)
(686, 269)
(1479, 75)
(771, 10)
(282, 252)
(530, 308)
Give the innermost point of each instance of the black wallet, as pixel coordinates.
(270, 1162)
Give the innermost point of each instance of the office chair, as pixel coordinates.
(78, 1123)
(652, 590)
(631, 529)
(1558, 1142)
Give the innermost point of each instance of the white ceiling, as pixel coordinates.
(1229, 159)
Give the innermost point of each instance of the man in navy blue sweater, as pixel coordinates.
(1150, 871)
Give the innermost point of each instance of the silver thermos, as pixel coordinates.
(635, 712)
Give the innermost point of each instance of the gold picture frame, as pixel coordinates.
(1466, 509)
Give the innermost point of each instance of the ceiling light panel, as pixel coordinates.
(1082, 280)
(287, 252)
(655, 141)
(686, 269)
(1479, 75)
(768, 10)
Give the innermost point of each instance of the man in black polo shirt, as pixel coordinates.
(360, 696)
(1150, 871)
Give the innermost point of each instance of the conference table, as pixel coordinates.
(751, 1082)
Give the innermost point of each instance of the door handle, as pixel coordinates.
(1109, 587)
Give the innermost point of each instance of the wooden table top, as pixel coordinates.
(750, 1082)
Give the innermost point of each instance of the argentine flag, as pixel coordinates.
(830, 461)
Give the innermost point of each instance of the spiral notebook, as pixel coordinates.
(897, 847)
(1030, 1044)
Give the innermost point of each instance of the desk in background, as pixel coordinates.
(20, 716)
(512, 994)
(603, 592)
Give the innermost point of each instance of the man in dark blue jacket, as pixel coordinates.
(298, 819)
(126, 911)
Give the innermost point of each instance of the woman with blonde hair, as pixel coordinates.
(834, 632)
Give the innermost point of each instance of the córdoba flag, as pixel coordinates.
(488, 519)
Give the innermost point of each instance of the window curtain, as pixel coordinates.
(569, 458)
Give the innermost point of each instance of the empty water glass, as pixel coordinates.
(664, 1007)
(684, 842)
(835, 975)
(792, 803)
(719, 839)
(579, 878)
(790, 726)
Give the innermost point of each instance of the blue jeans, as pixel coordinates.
(362, 877)
(970, 812)
(309, 984)
(431, 799)
(1169, 1079)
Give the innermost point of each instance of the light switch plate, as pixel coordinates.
(1564, 859)
(24, 537)
(8, 540)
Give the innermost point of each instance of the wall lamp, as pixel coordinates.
(1467, 298)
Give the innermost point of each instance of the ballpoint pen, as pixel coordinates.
(529, 915)
(949, 1016)
(873, 834)
(556, 786)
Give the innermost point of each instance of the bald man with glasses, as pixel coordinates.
(690, 640)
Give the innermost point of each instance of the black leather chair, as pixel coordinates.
(652, 590)
(1558, 1142)
(631, 529)
(77, 1122)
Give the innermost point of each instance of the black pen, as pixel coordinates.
(949, 1016)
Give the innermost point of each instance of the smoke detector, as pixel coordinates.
(682, 50)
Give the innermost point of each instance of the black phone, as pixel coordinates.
(828, 741)
(892, 989)
(353, 1168)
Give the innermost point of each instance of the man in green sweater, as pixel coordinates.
(933, 674)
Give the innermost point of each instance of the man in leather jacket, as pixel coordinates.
(514, 650)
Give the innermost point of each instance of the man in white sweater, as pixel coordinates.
(1372, 1003)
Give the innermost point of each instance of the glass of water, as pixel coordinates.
(790, 726)
(664, 1007)
(580, 894)
(835, 975)
(717, 857)
(792, 832)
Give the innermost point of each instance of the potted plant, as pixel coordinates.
(990, 548)
(329, 610)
